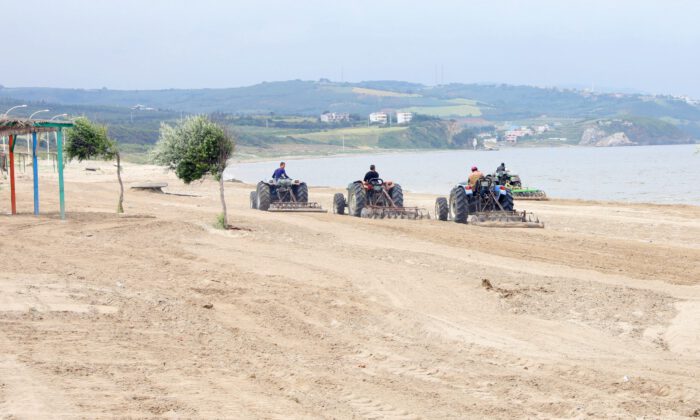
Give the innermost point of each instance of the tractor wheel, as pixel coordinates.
(356, 199)
(396, 195)
(302, 194)
(441, 208)
(507, 202)
(263, 195)
(253, 200)
(459, 205)
(339, 203)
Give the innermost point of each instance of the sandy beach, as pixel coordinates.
(157, 313)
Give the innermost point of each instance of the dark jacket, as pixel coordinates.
(371, 175)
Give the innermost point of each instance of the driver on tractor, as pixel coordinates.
(372, 174)
(280, 173)
(474, 177)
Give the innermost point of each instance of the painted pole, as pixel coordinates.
(13, 198)
(35, 172)
(59, 158)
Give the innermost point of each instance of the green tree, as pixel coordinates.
(87, 140)
(193, 148)
(465, 138)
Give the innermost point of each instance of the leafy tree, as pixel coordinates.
(193, 148)
(464, 139)
(87, 140)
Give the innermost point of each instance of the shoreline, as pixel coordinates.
(550, 200)
(252, 158)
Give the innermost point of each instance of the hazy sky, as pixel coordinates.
(651, 46)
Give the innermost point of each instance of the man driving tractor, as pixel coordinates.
(280, 173)
(501, 168)
(475, 176)
(372, 174)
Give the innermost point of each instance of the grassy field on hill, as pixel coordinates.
(377, 92)
(456, 108)
(354, 136)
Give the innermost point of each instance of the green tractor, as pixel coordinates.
(515, 185)
(376, 199)
(283, 195)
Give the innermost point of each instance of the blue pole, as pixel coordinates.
(35, 170)
(59, 157)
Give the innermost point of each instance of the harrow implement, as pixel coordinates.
(504, 218)
(296, 206)
(380, 212)
(529, 194)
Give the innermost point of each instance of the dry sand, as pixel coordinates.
(156, 313)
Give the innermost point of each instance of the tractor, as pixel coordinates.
(487, 203)
(515, 185)
(376, 199)
(283, 195)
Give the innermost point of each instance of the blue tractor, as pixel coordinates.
(283, 195)
(487, 203)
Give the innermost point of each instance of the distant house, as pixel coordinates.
(379, 117)
(333, 117)
(512, 135)
(404, 117)
(540, 129)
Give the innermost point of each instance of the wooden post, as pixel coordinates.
(35, 173)
(59, 158)
(13, 198)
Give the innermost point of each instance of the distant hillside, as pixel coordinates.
(286, 112)
(495, 102)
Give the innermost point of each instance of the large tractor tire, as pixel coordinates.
(263, 195)
(339, 203)
(396, 195)
(253, 200)
(506, 201)
(459, 205)
(302, 193)
(357, 197)
(441, 208)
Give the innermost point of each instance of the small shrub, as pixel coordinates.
(220, 221)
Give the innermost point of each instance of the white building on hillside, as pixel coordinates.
(404, 117)
(379, 117)
(331, 117)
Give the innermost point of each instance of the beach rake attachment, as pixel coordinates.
(529, 194)
(296, 206)
(382, 212)
(504, 218)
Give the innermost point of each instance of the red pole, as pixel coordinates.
(12, 174)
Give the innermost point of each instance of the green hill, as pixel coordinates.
(287, 112)
(494, 102)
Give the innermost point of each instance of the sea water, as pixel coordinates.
(650, 174)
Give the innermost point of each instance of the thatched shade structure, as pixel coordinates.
(13, 127)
